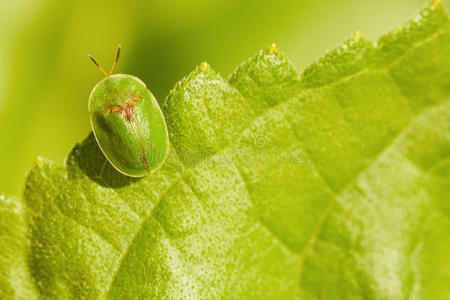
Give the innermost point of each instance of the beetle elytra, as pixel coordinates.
(128, 123)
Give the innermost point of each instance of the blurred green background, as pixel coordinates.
(45, 77)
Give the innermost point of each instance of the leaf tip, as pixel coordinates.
(435, 3)
(357, 35)
(204, 67)
(273, 49)
(39, 160)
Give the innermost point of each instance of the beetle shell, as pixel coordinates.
(128, 125)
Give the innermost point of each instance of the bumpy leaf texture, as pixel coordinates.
(331, 184)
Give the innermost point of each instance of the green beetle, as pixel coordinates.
(127, 123)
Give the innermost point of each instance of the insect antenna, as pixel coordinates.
(98, 66)
(116, 60)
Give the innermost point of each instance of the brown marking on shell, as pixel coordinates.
(126, 110)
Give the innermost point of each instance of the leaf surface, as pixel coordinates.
(331, 184)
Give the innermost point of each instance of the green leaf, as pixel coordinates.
(332, 184)
(15, 277)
